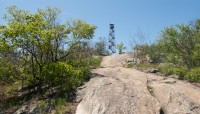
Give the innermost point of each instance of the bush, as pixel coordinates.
(55, 105)
(7, 70)
(95, 62)
(130, 65)
(169, 69)
(64, 75)
(86, 73)
(166, 69)
(181, 72)
(194, 75)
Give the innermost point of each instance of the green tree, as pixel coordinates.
(121, 47)
(180, 44)
(40, 40)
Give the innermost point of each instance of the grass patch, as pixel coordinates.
(55, 105)
(141, 67)
(10, 88)
(130, 65)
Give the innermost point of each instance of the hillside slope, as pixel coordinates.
(118, 90)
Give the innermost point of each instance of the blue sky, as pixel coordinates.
(129, 16)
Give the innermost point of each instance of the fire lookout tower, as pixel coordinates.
(111, 39)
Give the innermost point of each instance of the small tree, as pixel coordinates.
(100, 47)
(121, 47)
(140, 45)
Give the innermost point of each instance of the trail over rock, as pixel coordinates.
(118, 90)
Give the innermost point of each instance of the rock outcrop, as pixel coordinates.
(118, 90)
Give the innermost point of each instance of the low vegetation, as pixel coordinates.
(169, 70)
(176, 51)
(96, 61)
(120, 47)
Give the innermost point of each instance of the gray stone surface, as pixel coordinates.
(118, 90)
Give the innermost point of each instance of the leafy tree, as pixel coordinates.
(39, 40)
(180, 44)
(121, 47)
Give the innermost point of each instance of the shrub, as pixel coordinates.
(64, 75)
(166, 69)
(130, 65)
(7, 70)
(181, 72)
(86, 73)
(194, 75)
(43, 107)
(55, 105)
(169, 69)
(95, 62)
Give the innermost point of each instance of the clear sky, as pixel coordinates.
(129, 16)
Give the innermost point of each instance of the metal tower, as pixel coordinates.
(112, 39)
